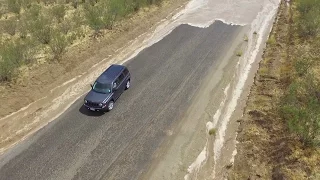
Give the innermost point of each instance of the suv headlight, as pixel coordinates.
(85, 101)
(100, 104)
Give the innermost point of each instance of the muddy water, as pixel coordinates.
(209, 155)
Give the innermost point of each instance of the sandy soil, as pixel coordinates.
(43, 87)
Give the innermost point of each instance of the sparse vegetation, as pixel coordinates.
(271, 40)
(246, 39)
(212, 132)
(54, 25)
(239, 53)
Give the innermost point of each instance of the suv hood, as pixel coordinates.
(93, 96)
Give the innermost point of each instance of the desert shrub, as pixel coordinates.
(26, 4)
(58, 44)
(301, 108)
(113, 9)
(40, 29)
(3, 9)
(272, 40)
(10, 26)
(103, 14)
(117, 8)
(92, 2)
(309, 23)
(304, 6)
(58, 11)
(49, 2)
(93, 17)
(212, 132)
(23, 29)
(98, 17)
(33, 12)
(75, 3)
(309, 17)
(65, 27)
(11, 57)
(239, 53)
(14, 6)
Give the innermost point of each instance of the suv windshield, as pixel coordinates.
(101, 88)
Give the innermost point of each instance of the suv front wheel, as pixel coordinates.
(110, 106)
(128, 84)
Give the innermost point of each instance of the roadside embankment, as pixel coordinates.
(278, 136)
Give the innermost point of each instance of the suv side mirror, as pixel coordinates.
(114, 85)
(91, 86)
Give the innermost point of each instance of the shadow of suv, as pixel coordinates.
(107, 88)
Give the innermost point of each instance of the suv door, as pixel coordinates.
(119, 86)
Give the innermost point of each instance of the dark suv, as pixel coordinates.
(107, 88)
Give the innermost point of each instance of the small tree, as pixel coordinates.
(93, 16)
(58, 44)
(40, 29)
(11, 57)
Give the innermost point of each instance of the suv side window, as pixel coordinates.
(120, 78)
(125, 71)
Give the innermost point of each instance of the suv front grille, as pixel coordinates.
(92, 104)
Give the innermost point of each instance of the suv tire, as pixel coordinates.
(110, 105)
(128, 84)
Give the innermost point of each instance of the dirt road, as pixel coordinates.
(119, 144)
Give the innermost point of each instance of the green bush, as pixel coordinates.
(2, 9)
(14, 6)
(115, 9)
(33, 12)
(65, 27)
(212, 132)
(301, 108)
(11, 57)
(58, 44)
(304, 6)
(23, 29)
(309, 17)
(40, 29)
(93, 16)
(49, 2)
(309, 23)
(10, 26)
(103, 14)
(58, 11)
